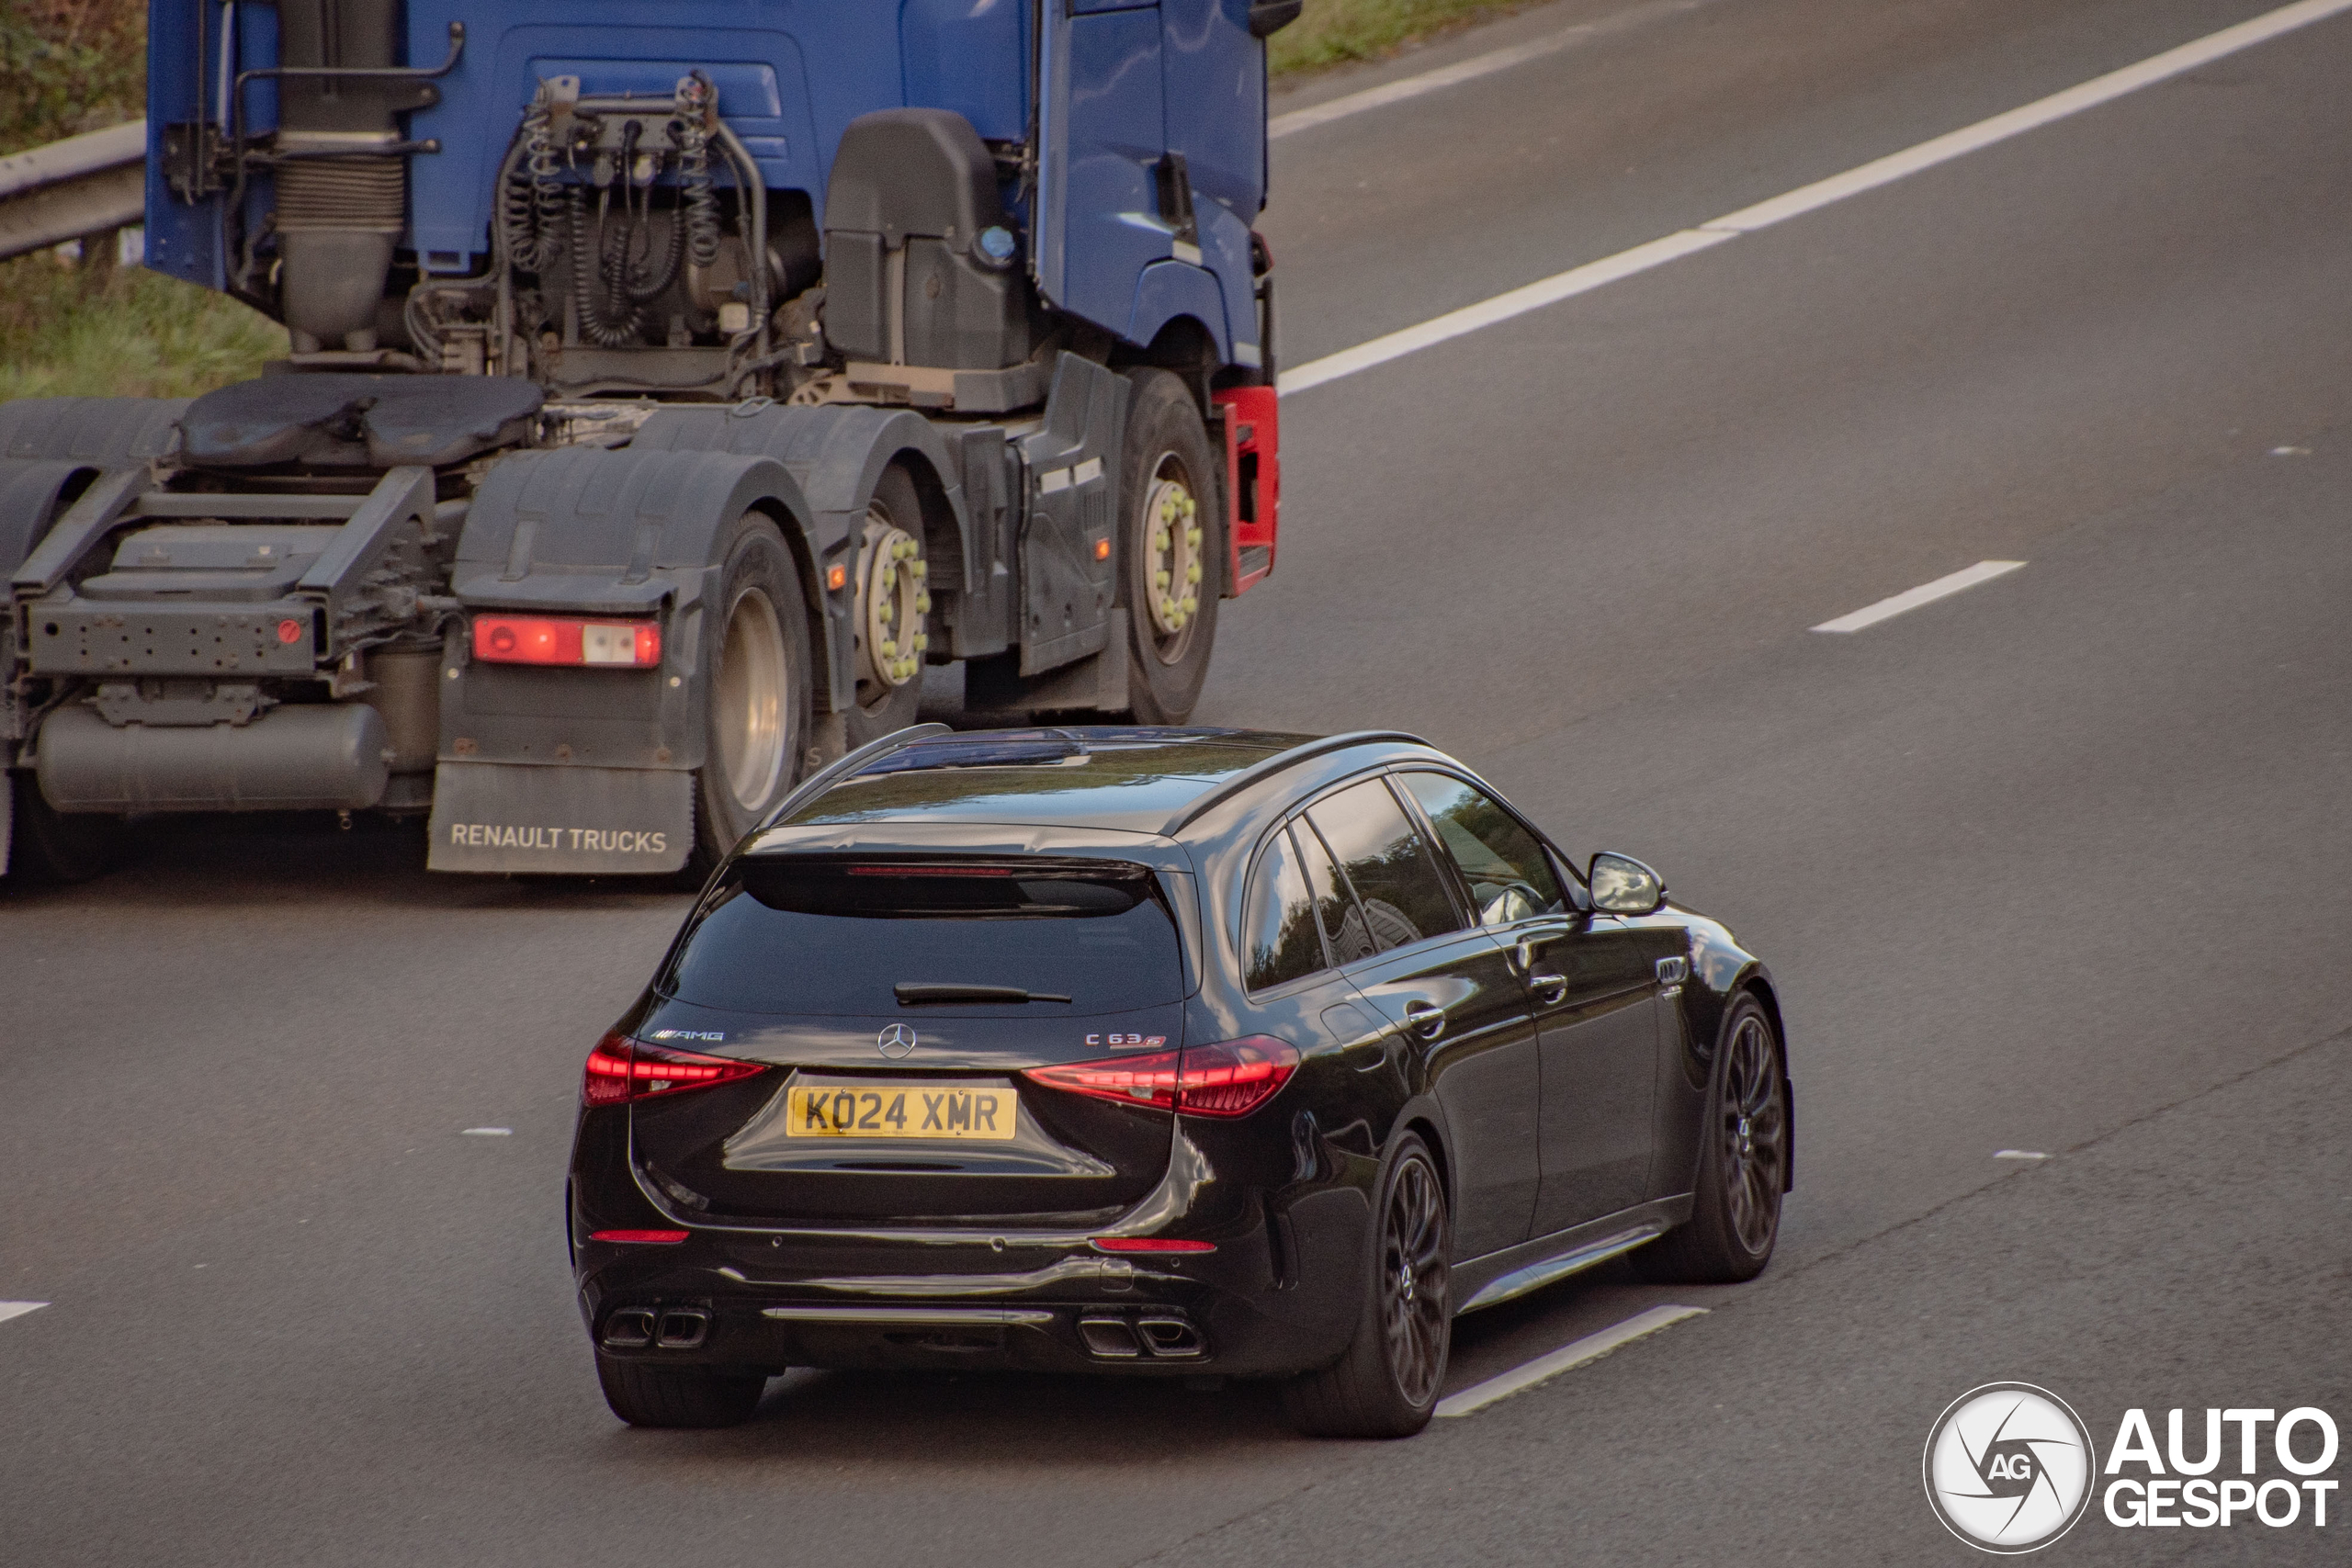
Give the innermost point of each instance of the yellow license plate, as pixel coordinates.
(839, 1111)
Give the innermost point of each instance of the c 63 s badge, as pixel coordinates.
(1127, 1042)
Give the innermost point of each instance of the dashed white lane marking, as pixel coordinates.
(1926, 593)
(488, 1132)
(19, 1308)
(1478, 1395)
(2018, 1154)
(1806, 199)
(1469, 70)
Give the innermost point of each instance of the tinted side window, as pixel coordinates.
(1509, 875)
(1404, 899)
(1343, 926)
(1281, 940)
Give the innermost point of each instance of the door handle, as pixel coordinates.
(1554, 987)
(1426, 1019)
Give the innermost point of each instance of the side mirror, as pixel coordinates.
(1268, 17)
(1624, 885)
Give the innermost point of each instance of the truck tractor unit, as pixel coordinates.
(669, 387)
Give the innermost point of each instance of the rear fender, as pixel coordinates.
(838, 453)
(585, 531)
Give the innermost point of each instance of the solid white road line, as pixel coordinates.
(1807, 198)
(1926, 593)
(2018, 1154)
(1593, 1346)
(19, 1308)
(1470, 70)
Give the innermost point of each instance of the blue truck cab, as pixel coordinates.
(671, 386)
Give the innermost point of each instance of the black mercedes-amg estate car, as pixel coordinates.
(1158, 1050)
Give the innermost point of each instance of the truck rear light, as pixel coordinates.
(620, 1070)
(1231, 1078)
(532, 640)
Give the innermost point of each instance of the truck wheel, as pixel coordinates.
(1168, 501)
(893, 597)
(53, 847)
(755, 656)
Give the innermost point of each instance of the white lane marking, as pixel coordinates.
(489, 1133)
(2018, 1154)
(1593, 1346)
(19, 1308)
(1926, 593)
(1821, 193)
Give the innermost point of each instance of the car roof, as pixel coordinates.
(1134, 779)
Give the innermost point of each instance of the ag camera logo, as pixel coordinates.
(2008, 1467)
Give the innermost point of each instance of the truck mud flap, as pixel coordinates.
(501, 817)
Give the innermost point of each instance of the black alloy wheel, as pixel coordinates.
(1387, 1383)
(893, 598)
(1743, 1164)
(1170, 547)
(651, 1395)
(756, 667)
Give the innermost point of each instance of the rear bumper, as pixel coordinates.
(743, 1300)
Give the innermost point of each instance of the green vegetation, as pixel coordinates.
(68, 66)
(1332, 32)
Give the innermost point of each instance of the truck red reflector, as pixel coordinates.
(620, 1069)
(1149, 1244)
(1231, 1078)
(289, 631)
(641, 1238)
(533, 639)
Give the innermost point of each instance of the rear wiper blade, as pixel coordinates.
(912, 993)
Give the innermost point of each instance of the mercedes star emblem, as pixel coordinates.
(896, 1041)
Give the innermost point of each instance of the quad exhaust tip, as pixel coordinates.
(1163, 1338)
(666, 1328)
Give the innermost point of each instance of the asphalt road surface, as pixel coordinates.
(2060, 864)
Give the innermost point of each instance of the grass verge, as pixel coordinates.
(68, 332)
(1333, 32)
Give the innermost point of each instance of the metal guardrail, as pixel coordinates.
(82, 186)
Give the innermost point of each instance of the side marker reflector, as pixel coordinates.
(647, 1238)
(1149, 1244)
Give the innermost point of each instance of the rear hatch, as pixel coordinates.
(897, 1002)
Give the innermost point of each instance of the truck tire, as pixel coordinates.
(881, 704)
(53, 848)
(756, 663)
(1170, 541)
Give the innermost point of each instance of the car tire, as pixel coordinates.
(877, 707)
(1166, 459)
(649, 1395)
(1387, 1383)
(1743, 1163)
(756, 690)
(51, 848)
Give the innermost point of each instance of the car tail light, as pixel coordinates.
(533, 640)
(1149, 1244)
(641, 1238)
(1232, 1077)
(621, 1069)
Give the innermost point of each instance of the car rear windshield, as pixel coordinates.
(783, 935)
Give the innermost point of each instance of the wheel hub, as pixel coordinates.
(1171, 563)
(892, 601)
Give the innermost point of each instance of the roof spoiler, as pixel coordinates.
(1251, 776)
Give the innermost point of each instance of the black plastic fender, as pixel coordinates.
(107, 432)
(586, 531)
(838, 453)
(33, 493)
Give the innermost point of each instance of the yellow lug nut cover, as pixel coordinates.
(889, 648)
(1192, 538)
(1192, 572)
(1159, 579)
(922, 604)
(918, 569)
